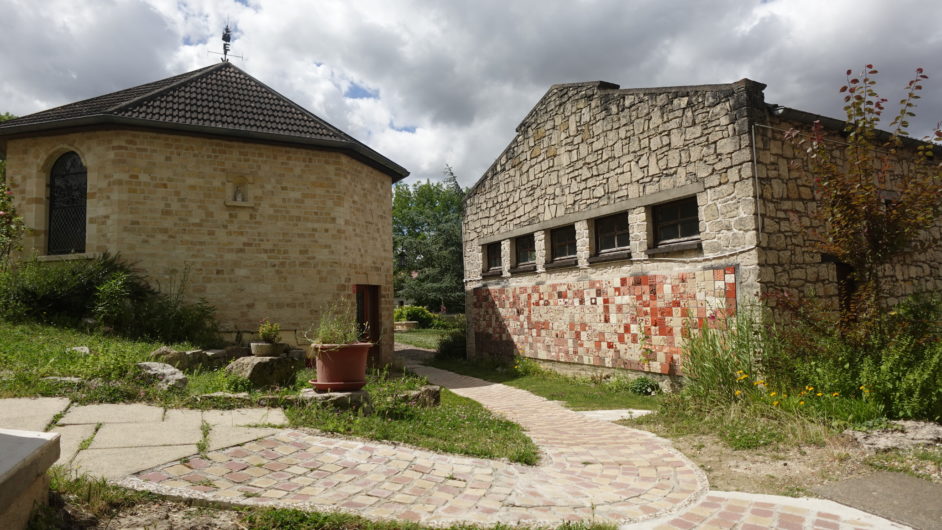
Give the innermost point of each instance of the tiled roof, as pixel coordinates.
(218, 99)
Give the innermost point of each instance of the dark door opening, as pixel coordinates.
(368, 316)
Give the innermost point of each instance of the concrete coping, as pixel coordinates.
(24, 456)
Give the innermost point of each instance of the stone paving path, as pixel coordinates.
(590, 469)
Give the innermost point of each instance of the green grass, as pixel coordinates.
(576, 393)
(422, 338)
(288, 519)
(458, 425)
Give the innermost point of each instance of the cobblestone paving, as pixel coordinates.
(744, 511)
(589, 469)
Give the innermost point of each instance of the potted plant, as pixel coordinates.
(270, 333)
(336, 351)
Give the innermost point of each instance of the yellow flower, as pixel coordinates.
(819, 394)
(801, 402)
(862, 387)
(738, 392)
(775, 403)
(809, 388)
(835, 394)
(772, 394)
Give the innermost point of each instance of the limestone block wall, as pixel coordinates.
(789, 257)
(306, 227)
(590, 150)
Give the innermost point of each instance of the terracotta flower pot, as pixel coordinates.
(340, 367)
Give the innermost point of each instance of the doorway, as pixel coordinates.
(368, 316)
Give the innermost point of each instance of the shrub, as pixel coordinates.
(454, 345)
(447, 321)
(643, 386)
(112, 291)
(414, 313)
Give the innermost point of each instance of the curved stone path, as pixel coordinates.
(589, 470)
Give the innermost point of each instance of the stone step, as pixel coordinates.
(24, 458)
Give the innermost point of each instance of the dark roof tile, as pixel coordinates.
(220, 97)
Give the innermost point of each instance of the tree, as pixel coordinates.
(12, 227)
(879, 192)
(428, 264)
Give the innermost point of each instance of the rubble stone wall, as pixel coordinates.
(589, 150)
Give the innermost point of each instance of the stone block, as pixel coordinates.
(164, 375)
(265, 371)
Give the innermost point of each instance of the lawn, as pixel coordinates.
(576, 393)
(31, 352)
(422, 338)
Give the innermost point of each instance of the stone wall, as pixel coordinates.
(311, 224)
(589, 150)
(790, 258)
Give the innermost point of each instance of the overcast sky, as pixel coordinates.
(436, 82)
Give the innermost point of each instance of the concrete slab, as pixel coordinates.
(243, 417)
(71, 437)
(901, 498)
(145, 435)
(615, 414)
(116, 463)
(30, 414)
(227, 435)
(112, 413)
(183, 417)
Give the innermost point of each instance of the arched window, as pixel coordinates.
(67, 196)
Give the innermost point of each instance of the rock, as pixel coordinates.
(358, 400)
(427, 396)
(79, 349)
(265, 371)
(905, 434)
(166, 376)
(188, 360)
(64, 380)
(222, 357)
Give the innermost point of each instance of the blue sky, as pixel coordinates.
(431, 83)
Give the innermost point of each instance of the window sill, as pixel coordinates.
(68, 257)
(561, 263)
(529, 267)
(240, 204)
(675, 247)
(610, 256)
(492, 273)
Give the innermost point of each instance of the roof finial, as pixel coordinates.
(226, 39)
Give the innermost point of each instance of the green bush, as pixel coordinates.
(109, 290)
(894, 362)
(447, 321)
(454, 345)
(643, 386)
(414, 313)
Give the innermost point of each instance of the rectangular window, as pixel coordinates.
(611, 233)
(676, 221)
(493, 256)
(563, 242)
(526, 250)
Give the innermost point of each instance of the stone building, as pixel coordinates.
(617, 219)
(267, 210)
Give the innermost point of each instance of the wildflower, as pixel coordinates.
(775, 403)
(835, 394)
(738, 392)
(819, 394)
(773, 394)
(801, 402)
(809, 388)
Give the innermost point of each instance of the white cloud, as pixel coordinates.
(462, 74)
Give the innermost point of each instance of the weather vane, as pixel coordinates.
(227, 45)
